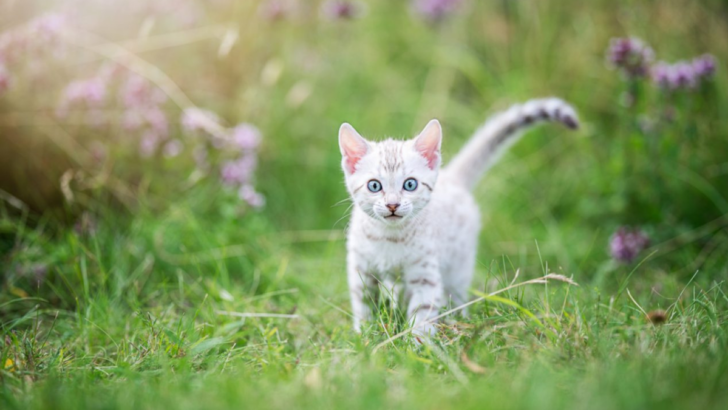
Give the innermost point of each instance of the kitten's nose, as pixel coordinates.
(392, 207)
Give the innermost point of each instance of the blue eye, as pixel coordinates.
(410, 184)
(374, 185)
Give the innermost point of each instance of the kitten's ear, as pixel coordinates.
(428, 143)
(353, 146)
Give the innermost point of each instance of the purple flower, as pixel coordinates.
(435, 10)
(248, 194)
(92, 92)
(157, 119)
(704, 66)
(172, 148)
(238, 171)
(686, 75)
(196, 119)
(139, 92)
(148, 143)
(631, 55)
(341, 9)
(627, 243)
(246, 136)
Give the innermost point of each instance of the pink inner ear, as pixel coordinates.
(352, 158)
(428, 143)
(353, 147)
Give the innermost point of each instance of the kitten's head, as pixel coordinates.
(391, 181)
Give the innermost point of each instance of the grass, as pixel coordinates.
(128, 315)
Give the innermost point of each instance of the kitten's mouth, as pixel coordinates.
(392, 216)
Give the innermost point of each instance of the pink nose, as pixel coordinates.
(392, 207)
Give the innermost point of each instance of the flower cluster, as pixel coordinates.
(683, 74)
(634, 58)
(342, 9)
(243, 140)
(631, 56)
(627, 243)
(138, 105)
(39, 37)
(435, 10)
(141, 102)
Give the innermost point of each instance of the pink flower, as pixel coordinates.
(172, 148)
(196, 119)
(148, 144)
(239, 171)
(139, 92)
(91, 92)
(157, 119)
(248, 194)
(246, 136)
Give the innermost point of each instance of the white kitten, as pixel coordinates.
(414, 228)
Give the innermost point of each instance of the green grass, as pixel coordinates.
(128, 316)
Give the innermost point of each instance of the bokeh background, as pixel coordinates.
(162, 156)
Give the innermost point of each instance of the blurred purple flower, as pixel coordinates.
(157, 119)
(246, 136)
(342, 9)
(627, 243)
(683, 74)
(138, 92)
(704, 66)
(92, 92)
(48, 26)
(172, 148)
(248, 194)
(238, 171)
(148, 143)
(196, 119)
(435, 10)
(631, 55)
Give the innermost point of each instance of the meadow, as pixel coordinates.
(172, 206)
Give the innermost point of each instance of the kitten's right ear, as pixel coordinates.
(353, 146)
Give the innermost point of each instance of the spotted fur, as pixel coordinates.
(427, 245)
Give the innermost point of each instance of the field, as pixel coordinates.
(149, 265)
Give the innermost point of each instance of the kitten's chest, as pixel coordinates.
(386, 253)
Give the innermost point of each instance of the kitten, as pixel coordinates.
(414, 219)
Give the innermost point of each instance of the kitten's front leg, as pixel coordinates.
(360, 283)
(425, 293)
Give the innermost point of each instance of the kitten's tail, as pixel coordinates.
(500, 132)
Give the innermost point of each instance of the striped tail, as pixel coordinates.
(500, 132)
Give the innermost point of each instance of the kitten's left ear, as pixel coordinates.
(428, 143)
